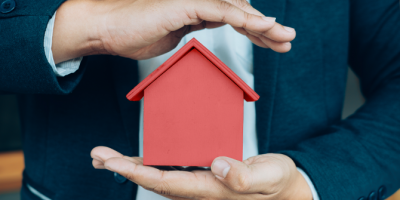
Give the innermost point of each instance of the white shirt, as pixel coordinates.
(232, 48)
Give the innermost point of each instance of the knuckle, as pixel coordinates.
(246, 17)
(129, 176)
(163, 186)
(243, 183)
(280, 175)
(241, 3)
(224, 7)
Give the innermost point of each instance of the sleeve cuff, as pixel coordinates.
(310, 184)
(64, 68)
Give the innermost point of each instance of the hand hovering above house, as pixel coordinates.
(141, 29)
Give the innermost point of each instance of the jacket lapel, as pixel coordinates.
(266, 68)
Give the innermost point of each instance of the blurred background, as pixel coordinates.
(11, 156)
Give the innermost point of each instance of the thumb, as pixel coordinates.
(236, 175)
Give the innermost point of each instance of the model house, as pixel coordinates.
(193, 109)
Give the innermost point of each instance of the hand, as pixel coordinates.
(263, 177)
(141, 29)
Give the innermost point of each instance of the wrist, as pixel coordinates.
(74, 30)
(300, 188)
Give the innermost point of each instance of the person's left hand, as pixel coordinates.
(264, 177)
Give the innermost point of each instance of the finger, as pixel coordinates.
(174, 197)
(214, 24)
(196, 184)
(257, 41)
(280, 33)
(277, 46)
(102, 153)
(240, 177)
(161, 182)
(281, 47)
(241, 31)
(234, 174)
(246, 6)
(176, 184)
(204, 25)
(148, 177)
(279, 38)
(254, 39)
(225, 12)
(98, 164)
(277, 33)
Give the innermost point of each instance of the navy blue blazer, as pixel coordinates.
(299, 113)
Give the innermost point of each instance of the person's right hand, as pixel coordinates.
(141, 29)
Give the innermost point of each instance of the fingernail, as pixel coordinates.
(221, 168)
(288, 29)
(269, 19)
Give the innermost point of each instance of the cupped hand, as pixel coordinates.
(263, 177)
(141, 29)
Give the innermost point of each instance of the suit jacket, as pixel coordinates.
(299, 113)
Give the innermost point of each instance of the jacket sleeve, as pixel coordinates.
(24, 68)
(361, 154)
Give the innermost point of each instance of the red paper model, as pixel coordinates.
(193, 109)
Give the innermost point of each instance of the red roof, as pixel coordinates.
(137, 93)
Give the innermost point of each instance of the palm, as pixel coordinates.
(202, 179)
(259, 177)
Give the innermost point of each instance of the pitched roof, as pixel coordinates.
(137, 93)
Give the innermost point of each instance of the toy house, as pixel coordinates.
(193, 109)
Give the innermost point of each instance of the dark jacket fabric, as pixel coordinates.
(298, 114)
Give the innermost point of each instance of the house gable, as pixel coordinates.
(193, 113)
